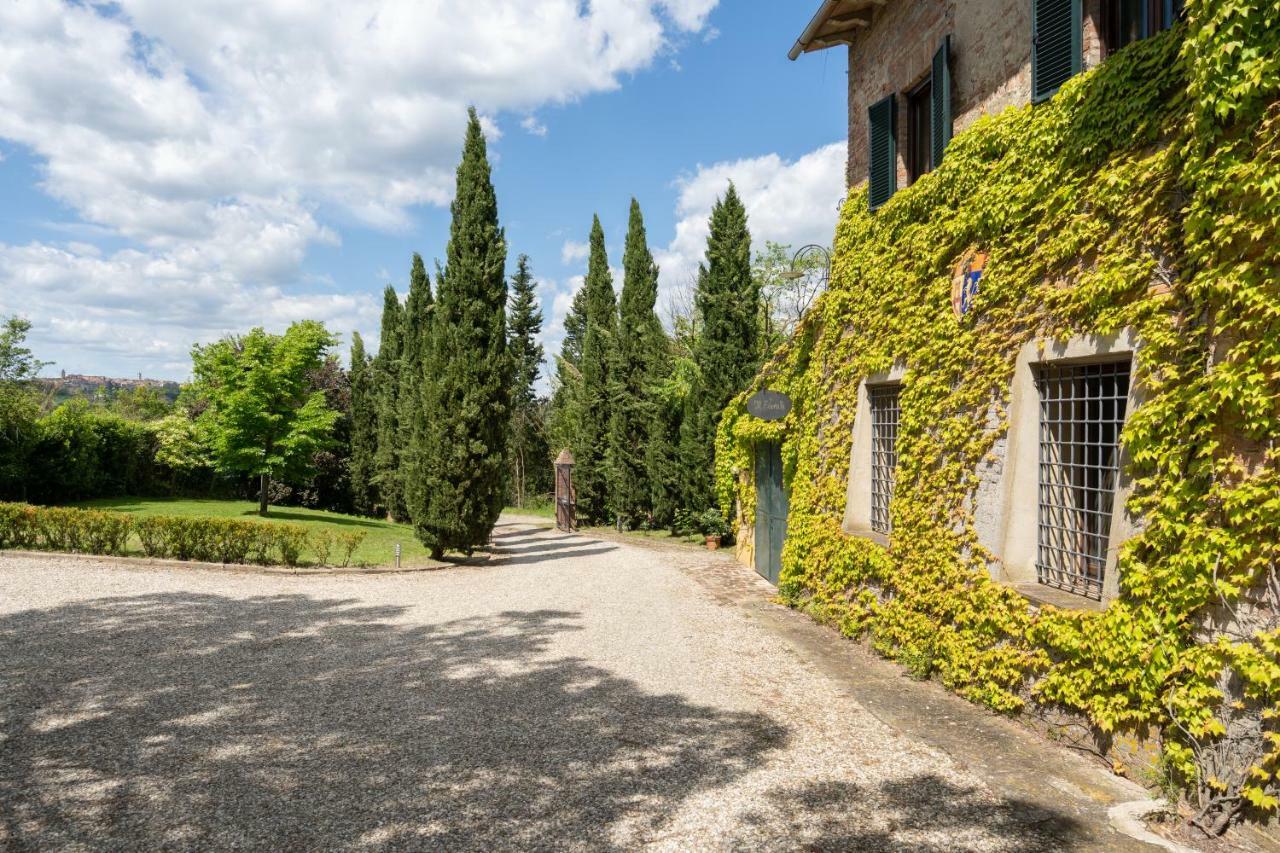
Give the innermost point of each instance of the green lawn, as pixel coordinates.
(377, 549)
(540, 508)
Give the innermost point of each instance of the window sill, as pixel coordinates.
(1039, 595)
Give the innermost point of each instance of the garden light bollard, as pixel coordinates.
(397, 555)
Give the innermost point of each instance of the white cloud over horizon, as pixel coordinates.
(213, 138)
(791, 202)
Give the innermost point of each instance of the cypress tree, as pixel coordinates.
(386, 385)
(562, 415)
(464, 422)
(641, 344)
(529, 452)
(364, 430)
(417, 331)
(727, 351)
(593, 404)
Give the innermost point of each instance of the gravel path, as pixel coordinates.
(575, 694)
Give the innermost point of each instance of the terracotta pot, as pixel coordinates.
(713, 543)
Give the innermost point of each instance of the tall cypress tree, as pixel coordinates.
(593, 404)
(641, 342)
(529, 452)
(562, 413)
(417, 332)
(386, 385)
(364, 430)
(464, 423)
(727, 351)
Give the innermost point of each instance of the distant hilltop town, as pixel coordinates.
(68, 385)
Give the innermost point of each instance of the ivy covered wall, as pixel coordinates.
(1145, 195)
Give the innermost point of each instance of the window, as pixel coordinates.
(919, 130)
(1082, 409)
(1125, 21)
(884, 452)
(882, 149)
(1056, 45)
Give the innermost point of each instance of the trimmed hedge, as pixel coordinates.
(210, 540)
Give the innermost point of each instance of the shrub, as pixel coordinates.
(233, 540)
(19, 526)
(712, 523)
(262, 544)
(348, 543)
(322, 542)
(104, 532)
(290, 540)
(189, 538)
(153, 533)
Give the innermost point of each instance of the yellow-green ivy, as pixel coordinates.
(1144, 195)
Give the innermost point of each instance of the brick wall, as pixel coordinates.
(990, 63)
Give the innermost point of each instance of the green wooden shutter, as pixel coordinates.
(940, 93)
(882, 161)
(1055, 45)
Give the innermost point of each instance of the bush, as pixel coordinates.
(233, 540)
(712, 523)
(104, 532)
(221, 540)
(19, 526)
(153, 533)
(349, 542)
(322, 542)
(290, 540)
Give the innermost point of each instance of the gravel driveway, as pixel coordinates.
(574, 694)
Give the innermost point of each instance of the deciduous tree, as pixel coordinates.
(262, 418)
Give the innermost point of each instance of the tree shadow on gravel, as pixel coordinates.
(538, 548)
(287, 722)
(921, 812)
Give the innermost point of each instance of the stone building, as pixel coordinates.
(1050, 501)
(1028, 440)
(921, 71)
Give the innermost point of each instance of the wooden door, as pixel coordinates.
(771, 511)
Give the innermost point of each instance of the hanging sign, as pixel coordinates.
(769, 405)
(966, 280)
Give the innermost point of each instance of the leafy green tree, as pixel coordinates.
(386, 396)
(463, 427)
(642, 349)
(19, 407)
(262, 418)
(364, 430)
(592, 404)
(140, 403)
(728, 348)
(530, 456)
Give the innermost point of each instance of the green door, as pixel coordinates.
(771, 511)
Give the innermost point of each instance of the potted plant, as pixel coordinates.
(714, 528)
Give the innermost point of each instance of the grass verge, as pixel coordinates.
(377, 549)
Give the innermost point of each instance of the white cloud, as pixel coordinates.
(791, 202)
(573, 251)
(533, 127)
(211, 136)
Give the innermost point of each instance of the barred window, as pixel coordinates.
(884, 452)
(1082, 410)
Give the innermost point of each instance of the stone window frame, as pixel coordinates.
(1007, 515)
(857, 512)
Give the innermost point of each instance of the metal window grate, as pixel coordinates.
(1082, 409)
(884, 452)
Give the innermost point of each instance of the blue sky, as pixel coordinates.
(168, 177)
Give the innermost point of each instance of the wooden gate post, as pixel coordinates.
(566, 497)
